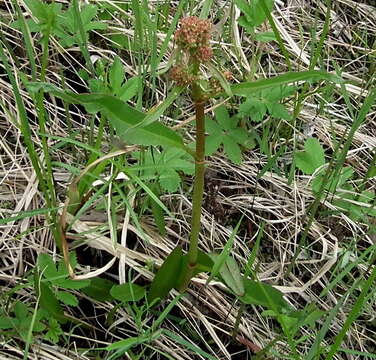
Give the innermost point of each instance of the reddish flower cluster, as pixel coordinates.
(193, 36)
(204, 53)
(181, 76)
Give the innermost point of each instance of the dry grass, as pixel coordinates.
(210, 311)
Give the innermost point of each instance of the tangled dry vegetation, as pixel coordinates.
(333, 237)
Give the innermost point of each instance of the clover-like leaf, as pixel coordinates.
(54, 331)
(225, 131)
(257, 105)
(165, 167)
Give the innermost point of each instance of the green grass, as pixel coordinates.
(290, 186)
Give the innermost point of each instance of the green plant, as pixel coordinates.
(139, 128)
(311, 161)
(259, 104)
(255, 14)
(61, 23)
(109, 95)
(226, 131)
(140, 179)
(20, 320)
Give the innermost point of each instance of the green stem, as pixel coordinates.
(198, 188)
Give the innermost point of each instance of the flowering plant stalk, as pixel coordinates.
(192, 40)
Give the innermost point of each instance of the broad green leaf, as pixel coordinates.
(116, 75)
(219, 260)
(21, 310)
(169, 180)
(231, 275)
(204, 262)
(311, 158)
(253, 10)
(38, 9)
(6, 322)
(371, 172)
(222, 116)
(212, 127)
(127, 292)
(289, 323)
(129, 89)
(67, 298)
(99, 289)
(257, 293)
(254, 107)
(166, 277)
(278, 111)
(277, 93)
(72, 284)
(265, 36)
(247, 88)
(243, 21)
(125, 119)
(212, 143)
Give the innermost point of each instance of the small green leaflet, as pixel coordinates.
(311, 158)
(265, 36)
(254, 14)
(54, 332)
(59, 277)
(165, 166)
(67, 298)
(225, 131)
(69, 24)
(267, 101)
(117, 83)
(21, 321)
